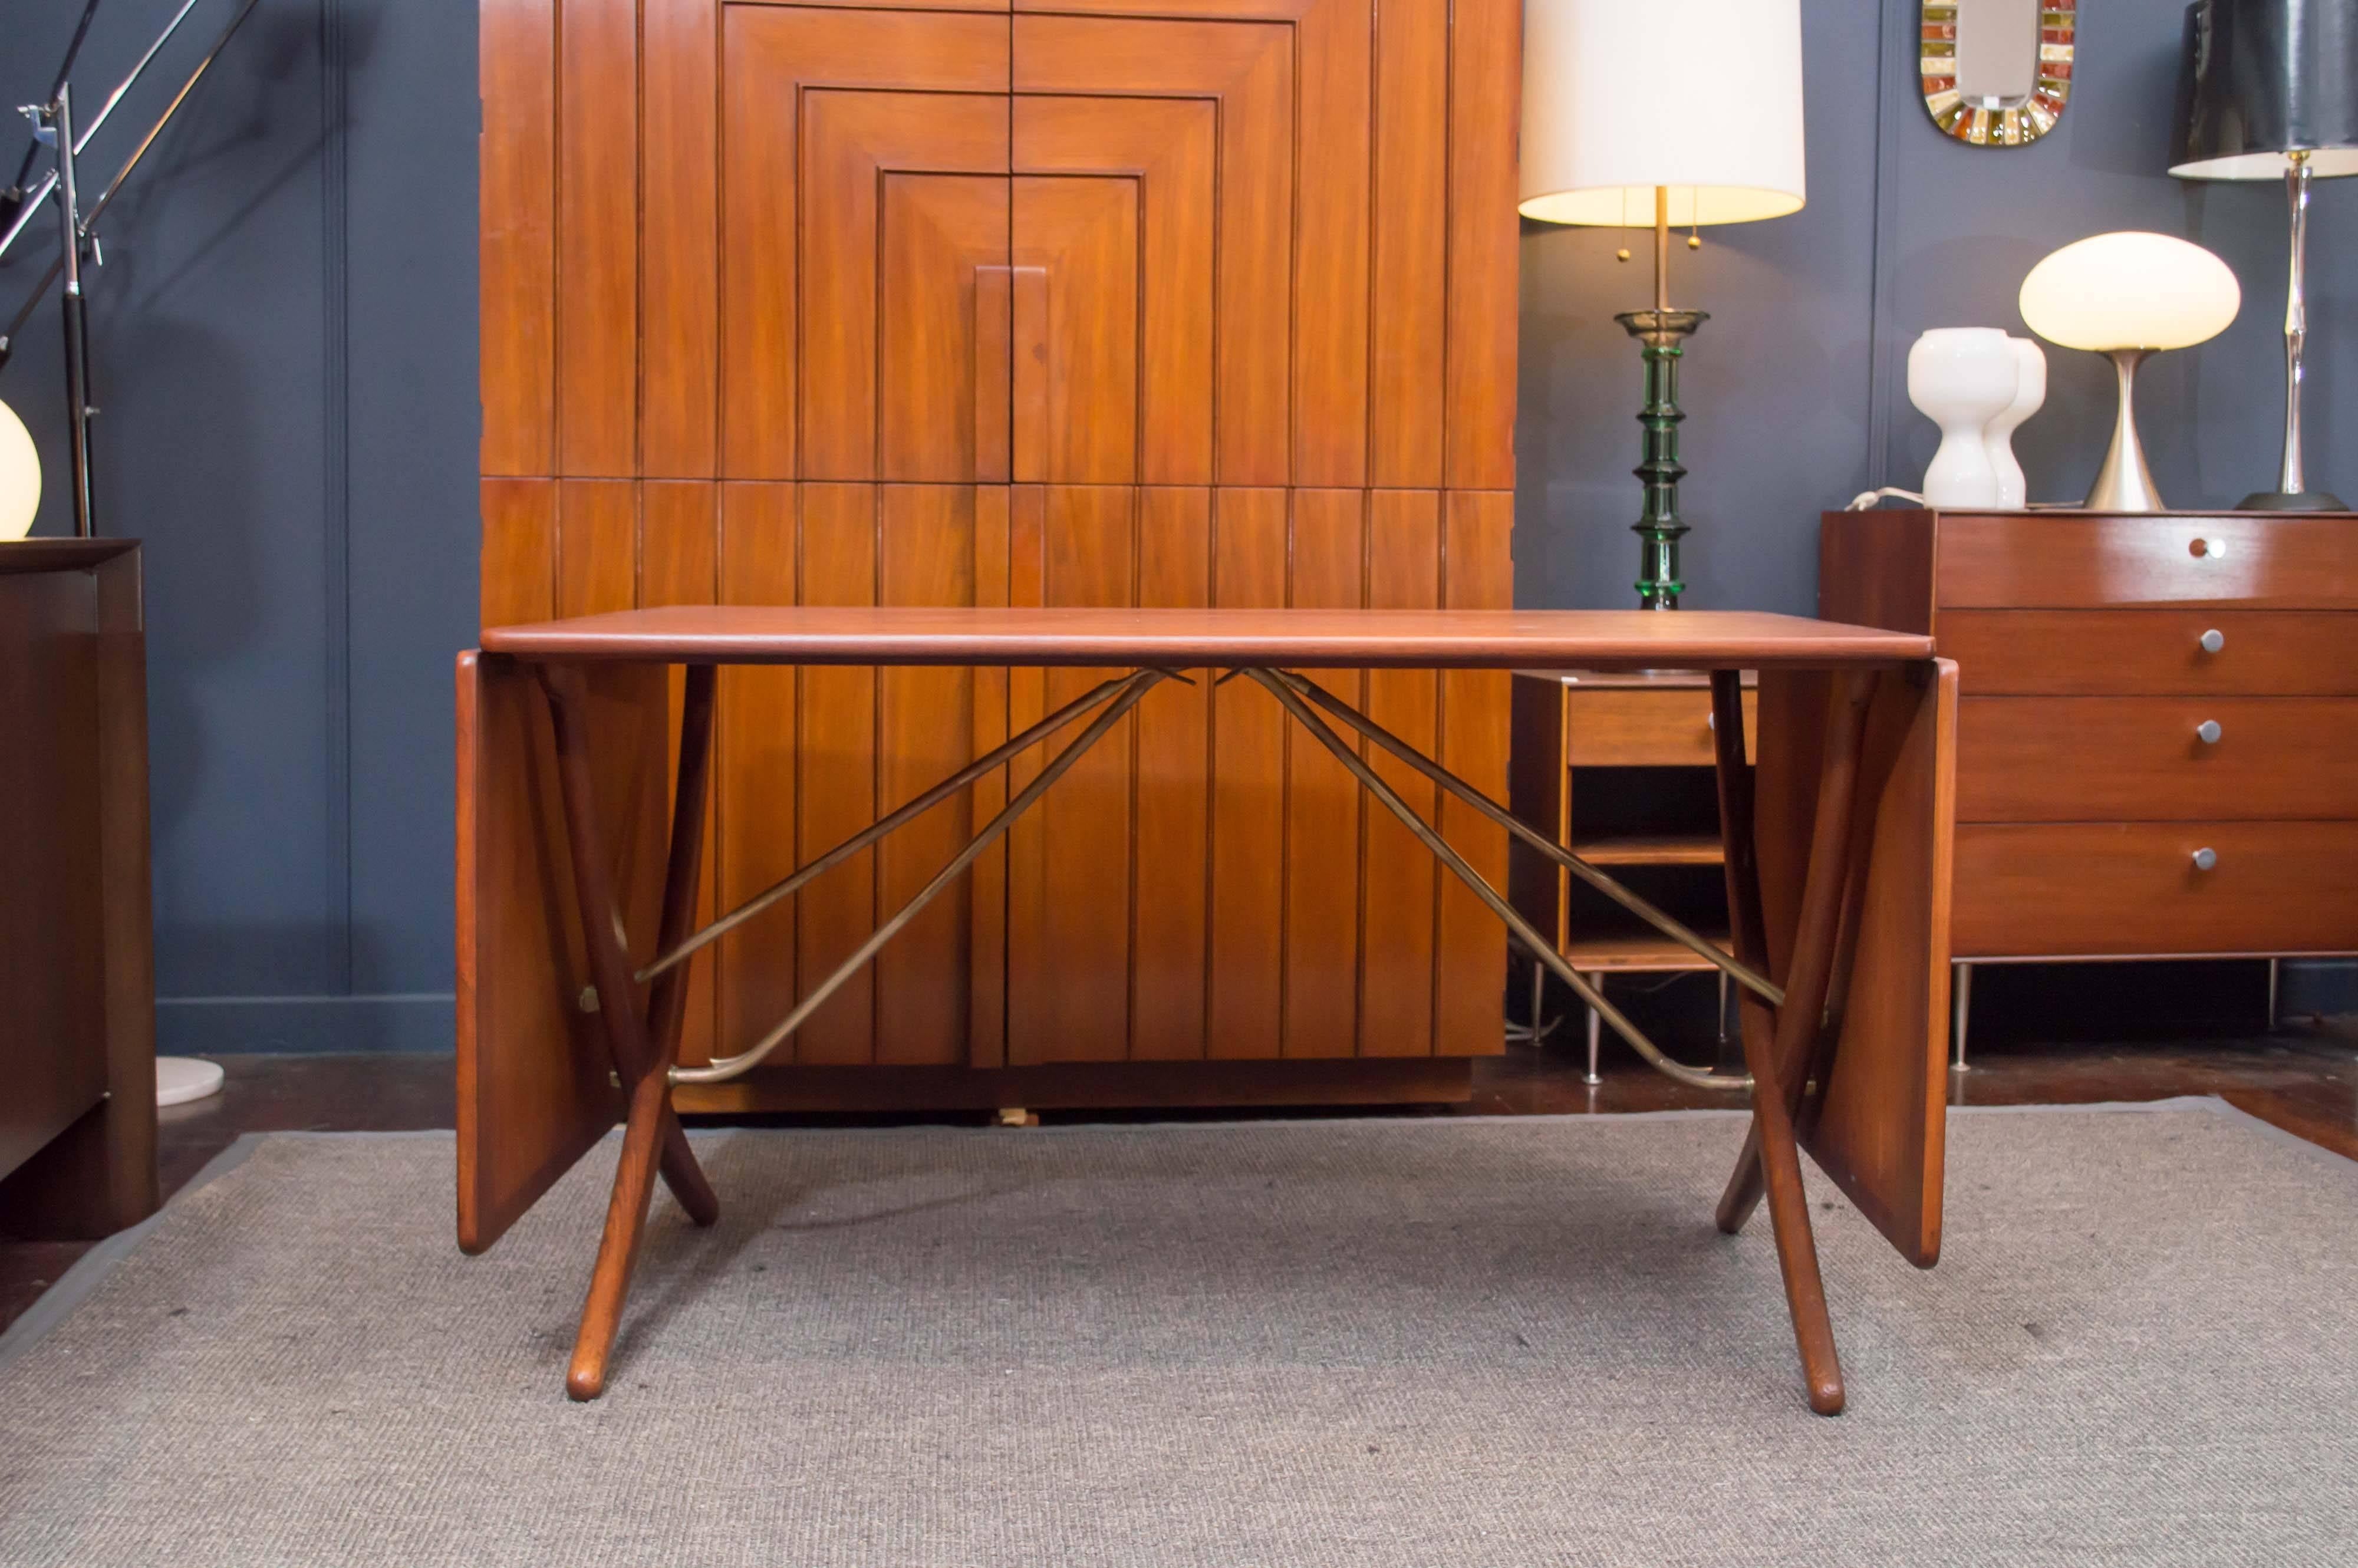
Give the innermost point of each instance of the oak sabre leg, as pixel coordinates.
(1771, 1160)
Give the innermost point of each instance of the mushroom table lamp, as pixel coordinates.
(1661, 115)
(2129, 296)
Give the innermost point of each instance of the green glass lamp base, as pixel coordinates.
(1659, 528)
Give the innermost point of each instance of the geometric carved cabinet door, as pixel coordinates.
(865, 195)
(1061, 302)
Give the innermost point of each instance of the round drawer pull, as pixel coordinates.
(2208, 731)
(2204, 859)
(2214, 549)
(2213, 641)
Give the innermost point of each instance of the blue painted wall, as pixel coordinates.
(286, 355)
(1796, 389)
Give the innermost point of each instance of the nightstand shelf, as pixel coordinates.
(1652, 850)
(1621, 768)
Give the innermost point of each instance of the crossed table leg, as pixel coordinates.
(1787, 1037)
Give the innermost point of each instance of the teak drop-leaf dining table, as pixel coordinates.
(574, 944)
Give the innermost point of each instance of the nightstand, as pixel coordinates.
(1621, 768)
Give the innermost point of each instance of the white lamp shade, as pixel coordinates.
(2130, 290)
(20, 476)
(1703, 97)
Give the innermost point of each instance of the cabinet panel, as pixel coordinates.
(1069, 858)
(1323, 801)
(1168, 147)
(2076, 653)
(2122, 888)
(941, 374)
(2081, 759)
(517, 271)
(1076, 370)
(1246, 71)
(773, 60)
(926, 548)
(891, 240)
(2021, 561)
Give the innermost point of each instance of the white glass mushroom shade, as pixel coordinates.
(20, 476)
(2130, 290)
(1703, 97)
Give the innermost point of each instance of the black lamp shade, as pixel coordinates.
(2263, 78)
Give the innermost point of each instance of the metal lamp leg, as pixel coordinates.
(1596, 1020)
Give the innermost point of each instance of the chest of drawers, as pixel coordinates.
(2157, 738)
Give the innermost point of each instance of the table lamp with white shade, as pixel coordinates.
(1666, 114)
(2129, 296)
(2271, 92)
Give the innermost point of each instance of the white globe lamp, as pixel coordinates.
(2129, 296)
(20, 476)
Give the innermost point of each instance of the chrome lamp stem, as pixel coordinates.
(2125, 484)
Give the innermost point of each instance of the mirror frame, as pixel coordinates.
(2016, 124)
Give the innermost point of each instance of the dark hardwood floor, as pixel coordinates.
(2303, 1078)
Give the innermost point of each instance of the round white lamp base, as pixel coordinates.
(180, 1079)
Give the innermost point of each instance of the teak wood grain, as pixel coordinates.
(2152, 652)
(1644, 728)
(2097, 888)
(2045, 560)
(1207, 272)
(2084, 784)
(2079, 759)
(1469, 637)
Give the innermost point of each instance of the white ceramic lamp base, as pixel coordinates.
(1961, 378)
(180, 1079)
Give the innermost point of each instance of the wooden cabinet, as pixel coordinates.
(2158, 740)
(1097, 303)
(78, 1037)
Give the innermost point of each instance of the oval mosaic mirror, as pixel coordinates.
(1997, 72)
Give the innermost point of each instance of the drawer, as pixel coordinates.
(2065, 890)
(2102, 759)
(1610, 727)
(2046, 561)
(2091, 653)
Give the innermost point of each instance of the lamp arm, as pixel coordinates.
(65, 70)
(90, 219)
(40, 193)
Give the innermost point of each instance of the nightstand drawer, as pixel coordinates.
(1608, 727)
(2103, 759)
(2133, 653)
(2035, 561)
(2081, 888)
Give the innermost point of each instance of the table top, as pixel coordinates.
(1189, 639)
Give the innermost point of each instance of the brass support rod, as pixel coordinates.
(866, 836)
(1543, 949)
(1661, 247)
(736, 1066)
(1735, 969)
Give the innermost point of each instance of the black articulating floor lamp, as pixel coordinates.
(55, 130)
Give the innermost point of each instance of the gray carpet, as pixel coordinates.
(1355, 1344)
